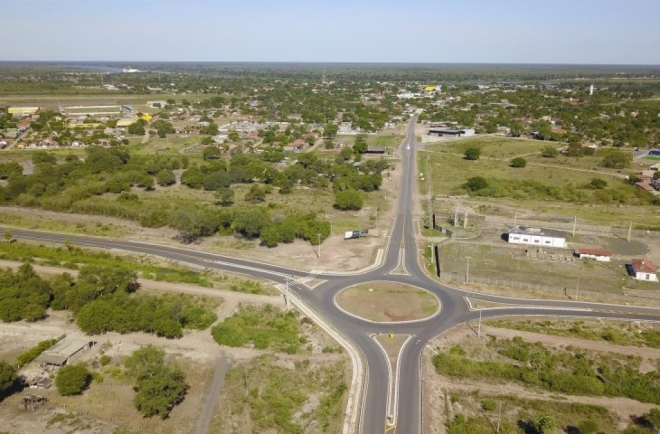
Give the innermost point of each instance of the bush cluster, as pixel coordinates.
(569, 371)
(264, 327)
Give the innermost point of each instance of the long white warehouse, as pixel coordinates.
(537, 237)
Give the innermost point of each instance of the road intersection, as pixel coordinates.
(383, 406)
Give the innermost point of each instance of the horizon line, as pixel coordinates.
(329, 62)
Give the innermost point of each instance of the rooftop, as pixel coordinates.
(594, 251)
(60, 352)
(644, 266)
(523, 230)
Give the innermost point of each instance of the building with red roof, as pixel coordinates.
(643, 269)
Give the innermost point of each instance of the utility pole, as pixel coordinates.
(467, 271)
(577, 289)
(456, 216)
(629, 230)
(515, 219)
(499, 416)
(465, 218)
(319, 245)
(574, 225)
(479, 328)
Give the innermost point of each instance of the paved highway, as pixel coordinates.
(405, 412)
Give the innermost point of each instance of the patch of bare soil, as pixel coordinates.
(436, 387)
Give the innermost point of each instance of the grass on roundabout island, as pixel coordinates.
(387, 302)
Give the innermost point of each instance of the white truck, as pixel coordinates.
(349, 235)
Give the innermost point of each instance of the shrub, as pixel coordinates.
(472, 153)
(72, 380)
(518, 162)
(476, 183)
(27, 356)
(598, 183)
(349, 200)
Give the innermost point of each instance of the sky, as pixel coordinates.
(427, 31)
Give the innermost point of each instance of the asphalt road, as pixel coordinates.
(454, 308)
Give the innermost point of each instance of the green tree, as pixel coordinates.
(136, 128)
(159, 385)
(160, 392)
(211, 153)
(549, 151)
(349, 200)
(217, 180)
(7, 377)
(249, 222)
(225, 196)
(72, 380)
(476, 183)
(518, 162)
(360, 145)
(255, 194)
(330, 130)
(165, 178)
(147, 182)
(597, 183)
(545, 423)
(472, 153)
(615, 159)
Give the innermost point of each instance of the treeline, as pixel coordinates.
(78, 186)
(102, 300)
(594, 192)
(164, 315)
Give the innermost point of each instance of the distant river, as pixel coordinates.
(101, 68)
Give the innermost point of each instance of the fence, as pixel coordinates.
(579, 227)
(637, 298)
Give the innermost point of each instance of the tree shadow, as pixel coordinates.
(527, 426)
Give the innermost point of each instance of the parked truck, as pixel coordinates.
(349, 235)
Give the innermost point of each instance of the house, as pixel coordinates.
(537, 237)
(645, 186)
(600, 255)
(157, 104)
(643, 269)
(376, 150)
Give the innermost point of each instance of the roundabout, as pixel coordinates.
(385, 338)
(388, 302)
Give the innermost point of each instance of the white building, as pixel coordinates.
(644, 270)
(600, 255)
(537, 237)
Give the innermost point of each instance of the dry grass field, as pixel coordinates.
(387, 302)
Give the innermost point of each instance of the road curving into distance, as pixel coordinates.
(402, 249)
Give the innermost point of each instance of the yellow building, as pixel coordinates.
(22, 111)
(147, 117)
(122, 123)
(430, 88)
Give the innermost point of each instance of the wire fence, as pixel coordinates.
(627, 297)
(579, 227)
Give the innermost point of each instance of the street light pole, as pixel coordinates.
(467, 270)
(319, 245)
(479, 329)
